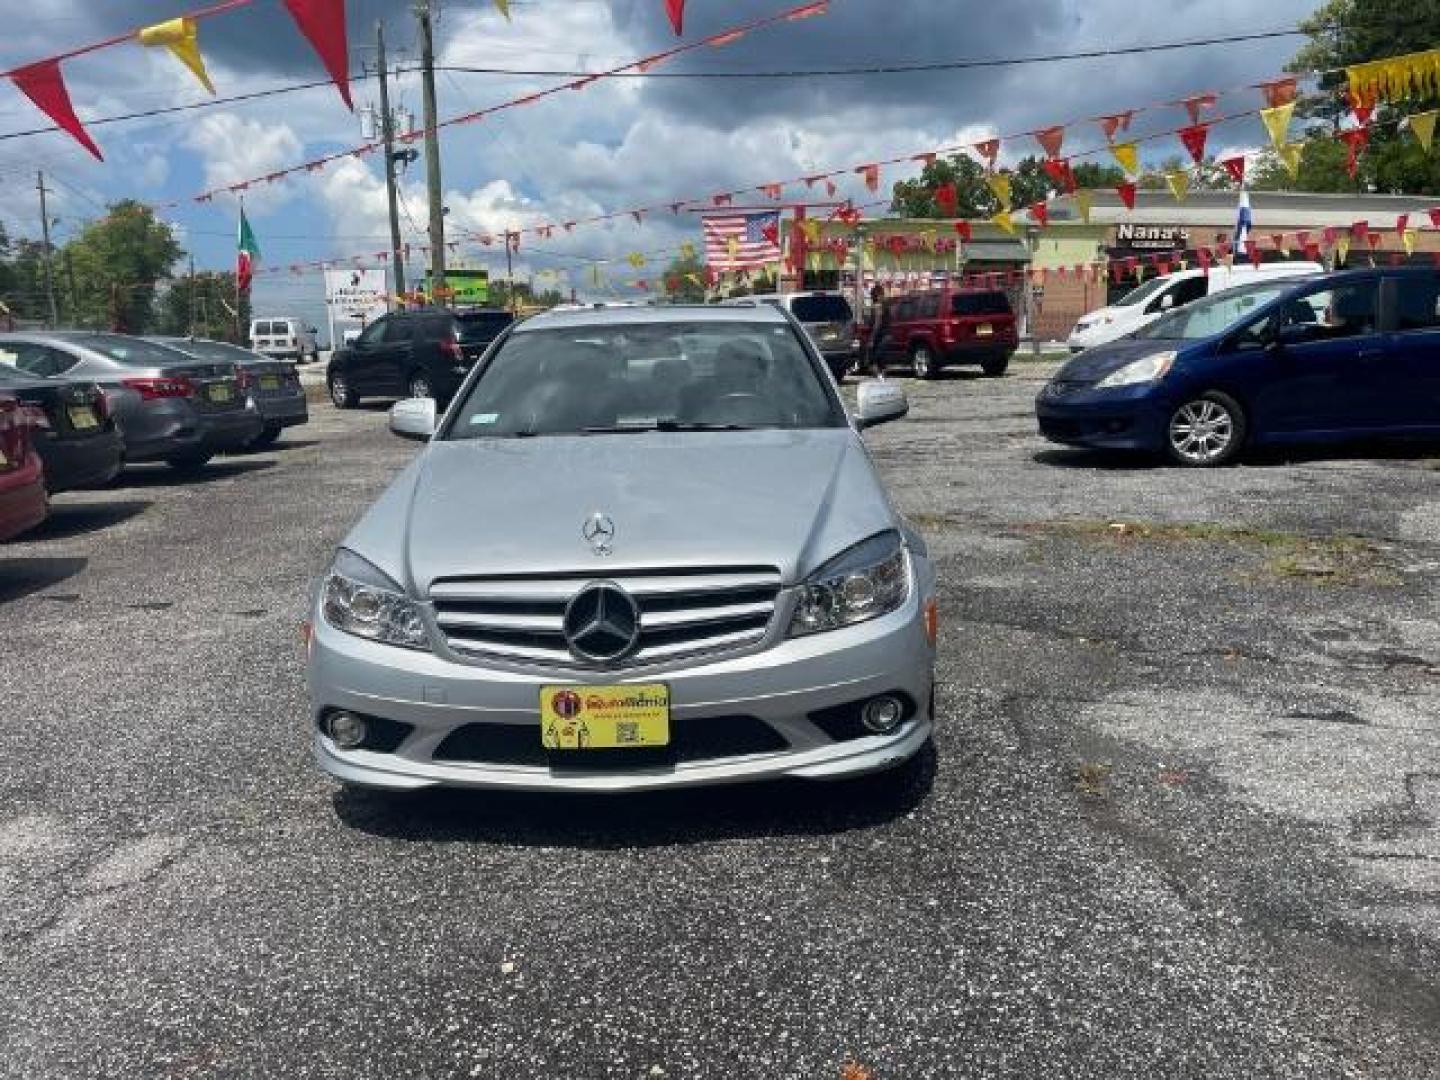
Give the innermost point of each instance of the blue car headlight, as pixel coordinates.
(864, 582)
(360, 599)
(1150, 368)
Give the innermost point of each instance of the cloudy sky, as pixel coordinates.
(618, 143)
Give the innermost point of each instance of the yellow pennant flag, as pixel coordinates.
(1423, 125)
(694, 279)
(1415, 74)
(1290, 154)
(1342, 248)
(687, 250)
(1000, 184)
(1277, 122)
(1179, 184)
(180, 36)
(635, 259)
(1128, 155)
(1004, 220)
(1084, 201)
(811, 228)
(503, 6)
(732, 246)
(1408, 239)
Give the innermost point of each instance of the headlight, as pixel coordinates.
(869, 580)
(1146, 369)
(359, 599)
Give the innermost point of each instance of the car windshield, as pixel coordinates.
(979, 303)
(820, 309)
(1213, 315)
(218, 351)
(1143, 293)
(609, 379)
(129, 350)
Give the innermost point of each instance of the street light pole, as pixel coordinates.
(432, 151)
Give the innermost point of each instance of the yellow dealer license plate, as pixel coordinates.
(604, 717)
(269, 382)
(82, 418)
(220, 392)
(984, 329)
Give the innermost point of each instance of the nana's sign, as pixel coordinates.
(1151, 236)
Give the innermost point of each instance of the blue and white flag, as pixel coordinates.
(1244, 222)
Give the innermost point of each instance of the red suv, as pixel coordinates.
(932, 330)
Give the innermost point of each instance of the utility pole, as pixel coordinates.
(387, 132)
(192, 296)
(45, 236)
(432, 152)
(509, 275)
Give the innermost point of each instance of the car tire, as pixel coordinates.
(1206, 431)
(191, 462)
(341, 396)
(418, 385)
(268, 434)
(995, 367)
(923, 361)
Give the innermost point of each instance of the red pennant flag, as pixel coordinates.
(1222, 248)
(1302, 239)
(1162, 266)
(1356, 139)
(1040, 213)
(1059, 170)
(1127, 193)
(1363, 111)
(1277, 93)
(965, 232)
(1051, 139)
(1360, 230)
(323, 24)
(1203, 254)
(1402, 223)
(1330, 235)
(676, 10)
(989, 150)
(1254, 250)
(722, 200)
(43, 84)
(1312, 251)
(771, 232)
(1194, 139)
(1117, 271)
(1195, 104)
(1277, 241)
(1373, 239)
(947, 199)
(1235, 166)
(1116, 122)
(1434, 217)
(871, 173)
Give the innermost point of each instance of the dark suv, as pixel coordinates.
(932, 330)
(423, 354)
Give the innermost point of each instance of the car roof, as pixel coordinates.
(658, 316)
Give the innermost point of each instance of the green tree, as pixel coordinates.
(688, 277)
(204, 306)
(22, 278)
(117, 262)
(1029, 183)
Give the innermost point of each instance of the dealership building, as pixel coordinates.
(908, 255)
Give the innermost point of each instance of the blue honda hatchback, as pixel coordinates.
(1325, 358)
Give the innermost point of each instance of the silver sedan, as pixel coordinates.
(644, 548)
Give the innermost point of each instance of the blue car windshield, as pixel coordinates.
(1213, 315)
(658, 376)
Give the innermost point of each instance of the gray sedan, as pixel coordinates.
(645, 548)
(273, 386)
(167, 405)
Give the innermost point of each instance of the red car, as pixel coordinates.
(933, 330)
(22, 479)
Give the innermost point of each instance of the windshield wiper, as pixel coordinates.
(664, 425)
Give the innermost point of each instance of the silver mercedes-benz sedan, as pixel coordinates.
(644, 548)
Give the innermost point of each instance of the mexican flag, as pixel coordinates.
(246, 255)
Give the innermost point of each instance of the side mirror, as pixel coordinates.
(879, 401)
(413, 418)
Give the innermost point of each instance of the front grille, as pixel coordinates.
(682, 612)
(705, 739)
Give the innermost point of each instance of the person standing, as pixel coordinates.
(879, 324)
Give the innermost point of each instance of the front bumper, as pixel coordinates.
(781, 686)
(1126, 418)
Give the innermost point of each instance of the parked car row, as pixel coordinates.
(80, 405)
(1321, 358)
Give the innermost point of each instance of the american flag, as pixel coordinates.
(742, 241)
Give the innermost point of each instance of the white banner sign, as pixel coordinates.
(356, 295)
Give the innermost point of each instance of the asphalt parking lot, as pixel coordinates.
(1182, 817)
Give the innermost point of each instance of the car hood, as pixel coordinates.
(1096, 363)
(482, 507)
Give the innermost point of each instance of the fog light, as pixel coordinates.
(345, 729)
(882, 715)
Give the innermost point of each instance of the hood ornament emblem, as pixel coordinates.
(599, 533)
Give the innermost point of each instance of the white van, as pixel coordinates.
(285, 338)
(1142, 306)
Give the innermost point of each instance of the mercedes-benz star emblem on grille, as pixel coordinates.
(599, 533)
(602, 622)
